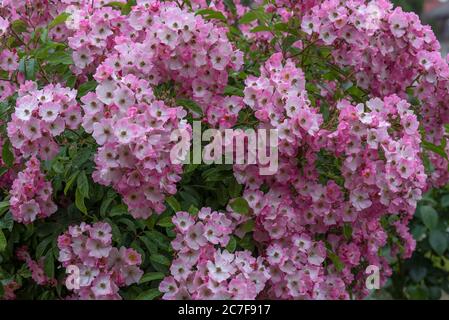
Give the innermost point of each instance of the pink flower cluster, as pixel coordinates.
(9, 63)
(279, 99)
(389, 51)
(41, 115)
(160, 42)
(134, 133)
(103, 269)
(202, 270)
(34, 14)
(36, 267)
(30, 14)
(31, 194)
(9, 290)
(375, 147)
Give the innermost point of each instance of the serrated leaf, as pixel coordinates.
(150, 294)
(260, 29)
(151, 276)
(210, 14)
(445, 201)
(82, 184)
(59, 20)
(3, 206)
(248, 226)
(7, 154)
(159, 258)
(86, 87)
(438, 241)
(30, 69)
(335, 260)
(190, 105)
(173, 203)
(49, 264)
(240, 205)
(165, 222)
(19, 26)
(434, 148)
(248, 17)
(42, 246)
(79, 202)
(233, 91)
(347, 231)
(70, 182)
(118, 210)
(232, 245)
(2, 241)
(60, 57)
(110, 196)
(429, 216)
(152, 247)
(7, 221)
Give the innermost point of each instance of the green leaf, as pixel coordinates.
(248, 17)
(42, 246)
(418, 292)
(129, 223)
(82, 184)
(59, 20)
(150, 245)
(260, 29)
(118, 210)
(60, 57)
(193, 210)
(159, 258)
(49, 264)
(438, 241)
(150, 294)
(173, 203)
(232, 245)
(86, 87)
(240, 205)
(429, 216)
(434, 148)
(234, 188)
(70, 182)
(283, 27)
(165, 222)
(7, 154)
(107, 200)
(210, 14)
(248, 226)
(233, 91)
(19, 26)
(4, 205)
(190, 105)
(7, 221)
(30, 69)
(335, 260)
(417, 273)
(347, 231)
(151, 276)
(2, 241)
(79, 201)
(445, 201)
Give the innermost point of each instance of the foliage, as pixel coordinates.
(90, 95)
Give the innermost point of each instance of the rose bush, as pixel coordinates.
(94, 207)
